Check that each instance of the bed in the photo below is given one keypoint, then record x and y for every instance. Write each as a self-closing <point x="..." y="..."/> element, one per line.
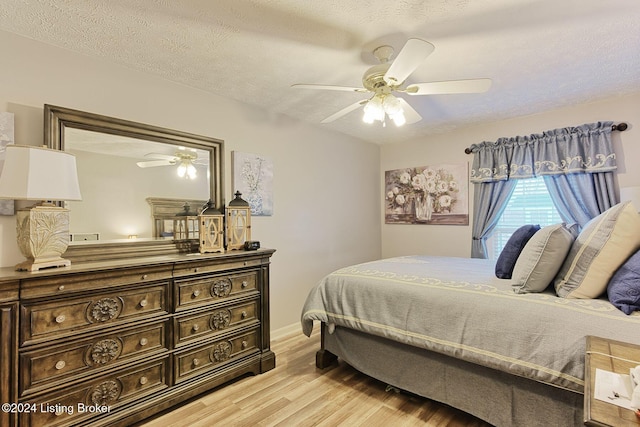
<point x="449" y="330"/>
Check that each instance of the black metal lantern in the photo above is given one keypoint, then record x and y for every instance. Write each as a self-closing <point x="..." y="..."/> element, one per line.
<point x="238" y="223"/>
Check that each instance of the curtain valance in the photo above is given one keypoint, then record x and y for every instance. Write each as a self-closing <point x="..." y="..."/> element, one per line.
<point x="586" y="148"/>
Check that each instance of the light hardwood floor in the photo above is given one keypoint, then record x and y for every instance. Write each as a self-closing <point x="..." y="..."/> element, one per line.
<point x="296" y="393"/>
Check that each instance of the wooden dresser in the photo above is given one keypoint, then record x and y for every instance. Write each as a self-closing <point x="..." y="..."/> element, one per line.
<point x="113" y="342"/>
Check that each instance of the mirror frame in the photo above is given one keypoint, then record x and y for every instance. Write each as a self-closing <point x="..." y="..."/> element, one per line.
<point x="57" y="119"/>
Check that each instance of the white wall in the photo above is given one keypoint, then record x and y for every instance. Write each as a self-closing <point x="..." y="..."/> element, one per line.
<point x="326" y="201"/>
<point x="450" y="240"/>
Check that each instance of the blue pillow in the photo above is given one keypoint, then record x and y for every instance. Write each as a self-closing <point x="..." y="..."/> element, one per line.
<point x="515" y="244"/>
<point x="623" y="289"/>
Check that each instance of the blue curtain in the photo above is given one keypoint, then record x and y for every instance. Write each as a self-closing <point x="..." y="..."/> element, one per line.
<point x="489" y="201"/>
<point x="577" y="163"/>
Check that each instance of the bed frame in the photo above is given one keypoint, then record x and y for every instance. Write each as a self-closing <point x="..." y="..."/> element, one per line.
<point x="496" y="397"/>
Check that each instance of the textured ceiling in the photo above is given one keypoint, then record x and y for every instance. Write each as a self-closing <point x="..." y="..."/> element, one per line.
<point x="540" y="55"/>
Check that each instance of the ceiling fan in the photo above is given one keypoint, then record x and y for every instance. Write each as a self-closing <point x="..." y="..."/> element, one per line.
<point x="183" y="158"/>
<point x="384" y="79"/>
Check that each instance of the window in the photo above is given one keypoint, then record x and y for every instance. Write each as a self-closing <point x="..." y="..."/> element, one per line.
<point x="530" y="203"/>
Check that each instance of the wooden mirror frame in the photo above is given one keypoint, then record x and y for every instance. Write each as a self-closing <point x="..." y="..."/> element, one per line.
<point x="57" y="119"/>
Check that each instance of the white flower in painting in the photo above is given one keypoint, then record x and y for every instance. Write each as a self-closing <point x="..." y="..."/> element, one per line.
<point x="399" y="199"/>
<point x="431" y="186"/>
<point x="419" y="182"/>
<point x="453" y="186"/>
<point x="442" y="187"/>
<point x="405" y="178"/>
<point x="396" y="190"/>
<point x="390" y="195"/>
<point x="429" y="173"/>
<point x="445" y="200"/>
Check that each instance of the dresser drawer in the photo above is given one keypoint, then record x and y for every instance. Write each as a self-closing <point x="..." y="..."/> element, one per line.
<point x="52" y="320"/>
<point x="204" y="325"/>
<point x="214" y="355"/>
<point x="100" y="396"/>
<point x="50" y="366"/>
<point x="207" y="289"/>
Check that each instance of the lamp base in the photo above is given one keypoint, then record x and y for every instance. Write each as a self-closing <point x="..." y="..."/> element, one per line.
<point x="35" y="265"/>
<point x="43" y="236"/>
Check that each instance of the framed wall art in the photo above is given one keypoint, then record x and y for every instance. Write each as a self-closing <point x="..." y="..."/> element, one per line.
<point x="7" y="207"/>
<point x="252" y="175"/>
<point x="434" y="194"/>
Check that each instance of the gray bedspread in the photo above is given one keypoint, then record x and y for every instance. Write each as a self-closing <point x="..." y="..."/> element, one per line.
<point x="457" y="307"/>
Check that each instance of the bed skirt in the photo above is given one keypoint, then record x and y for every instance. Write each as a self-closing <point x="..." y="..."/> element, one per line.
<point x="498" y="398"/>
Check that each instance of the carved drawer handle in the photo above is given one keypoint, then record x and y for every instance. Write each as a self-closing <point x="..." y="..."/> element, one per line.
<point x="60" y="365"/>
<point x="143" y="380"/>
<point x="244" y="284"/>
<point x="144" y="277"/>
<point x="196" y="293"/>
<point x="196" y="362"/>
<point x="61" y="318"/>
<point x="144" y="303"/>
<point x="61" y="288"/>
<point x="195" y="270"/>
<point x="195" y="328"/>
<point x="144" y="341"/>
<point x="244" y="344"/>
<point x="245" y="263"/>
<point x="244" y="314"/>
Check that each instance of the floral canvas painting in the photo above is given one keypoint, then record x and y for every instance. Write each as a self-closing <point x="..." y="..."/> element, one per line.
<point x="253" y="177"/>
<point x="6" y="138"/>
<point x="436" y="194"/>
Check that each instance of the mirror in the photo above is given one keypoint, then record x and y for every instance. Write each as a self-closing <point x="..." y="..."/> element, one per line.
<point x="123" y="167"/>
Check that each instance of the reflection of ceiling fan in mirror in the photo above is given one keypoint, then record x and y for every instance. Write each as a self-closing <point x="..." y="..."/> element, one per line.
<point x="387" y="77"/>
<point x="184" y="159"/>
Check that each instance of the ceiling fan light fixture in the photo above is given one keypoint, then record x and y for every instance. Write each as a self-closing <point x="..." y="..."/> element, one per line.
<point x="380" y="106"/>
<point x="186" y="169"/>
<point x="373" y="110"/>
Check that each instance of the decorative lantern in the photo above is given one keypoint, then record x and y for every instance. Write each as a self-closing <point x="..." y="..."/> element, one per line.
<point x="238" y="223"/>
<point x="185" y="224"/>
<point x="211" y="229"/>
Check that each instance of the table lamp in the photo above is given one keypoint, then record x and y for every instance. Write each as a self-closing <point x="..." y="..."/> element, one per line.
<point x="45" y="175"/>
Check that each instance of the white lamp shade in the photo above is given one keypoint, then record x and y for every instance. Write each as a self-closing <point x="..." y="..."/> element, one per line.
<point x="38" y="173"/>
<point x="632" y="194"/>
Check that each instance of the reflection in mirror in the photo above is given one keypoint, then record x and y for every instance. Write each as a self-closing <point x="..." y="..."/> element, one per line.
<point x="118" y="174"/>
<point x="121" y="164"/>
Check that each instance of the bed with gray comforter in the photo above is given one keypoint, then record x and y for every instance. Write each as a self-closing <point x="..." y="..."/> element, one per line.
<point x="448" y="329"/>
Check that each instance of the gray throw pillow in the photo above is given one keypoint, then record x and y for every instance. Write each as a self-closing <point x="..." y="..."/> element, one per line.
<point x="541" y="259"/>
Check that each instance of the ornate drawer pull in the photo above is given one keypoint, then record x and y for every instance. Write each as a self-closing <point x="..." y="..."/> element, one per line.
<point x="244" y="344"/>
<point x="244" y="284"/>
<point x="144" y="303"/>
<point x="244" y="314"/>
<point x="61" y="288"/>
<point x="144" y="341"/>
<point x="144" y="277"/>
<point x="61" y="318"/>
<point x="195" y="270"/>
<point x="196" y="362"/>
<point x="196" y="293"/>
<point x="143" y="380"/>
<point x="60" y="365"/>
<point x="195" y="328"/>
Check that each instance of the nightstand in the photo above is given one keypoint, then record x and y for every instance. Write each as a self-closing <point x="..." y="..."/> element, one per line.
<point x="613" y="356"/>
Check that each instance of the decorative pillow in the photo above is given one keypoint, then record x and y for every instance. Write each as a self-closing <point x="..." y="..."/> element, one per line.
<point x="623" y="289"/>
<point x="515" y="245"/>
<point x="602" y="246"/>
<point x="541" y="259"/>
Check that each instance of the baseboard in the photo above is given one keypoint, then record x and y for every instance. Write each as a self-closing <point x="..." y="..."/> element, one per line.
<point x="294" y="328"/>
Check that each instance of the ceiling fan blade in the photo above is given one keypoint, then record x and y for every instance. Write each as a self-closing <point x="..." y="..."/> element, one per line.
<point x="414" y="52"/>
<point x="160" y="156"/>
<point x="154" y="163"/>
<point x="410" y="114"/>
<point x="448" y="87"/>
<point x="330" y="87"/>
<point x="345" y="111"/>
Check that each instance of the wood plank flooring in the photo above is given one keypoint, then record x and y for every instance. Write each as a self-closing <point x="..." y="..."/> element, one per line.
<point x="296" y="393"/>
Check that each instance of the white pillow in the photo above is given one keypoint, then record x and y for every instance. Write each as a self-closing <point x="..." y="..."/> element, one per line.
<point x="602" y="246"/>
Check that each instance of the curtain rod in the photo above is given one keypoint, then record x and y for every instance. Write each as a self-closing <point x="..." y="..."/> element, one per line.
<point x="620" y="127"/>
